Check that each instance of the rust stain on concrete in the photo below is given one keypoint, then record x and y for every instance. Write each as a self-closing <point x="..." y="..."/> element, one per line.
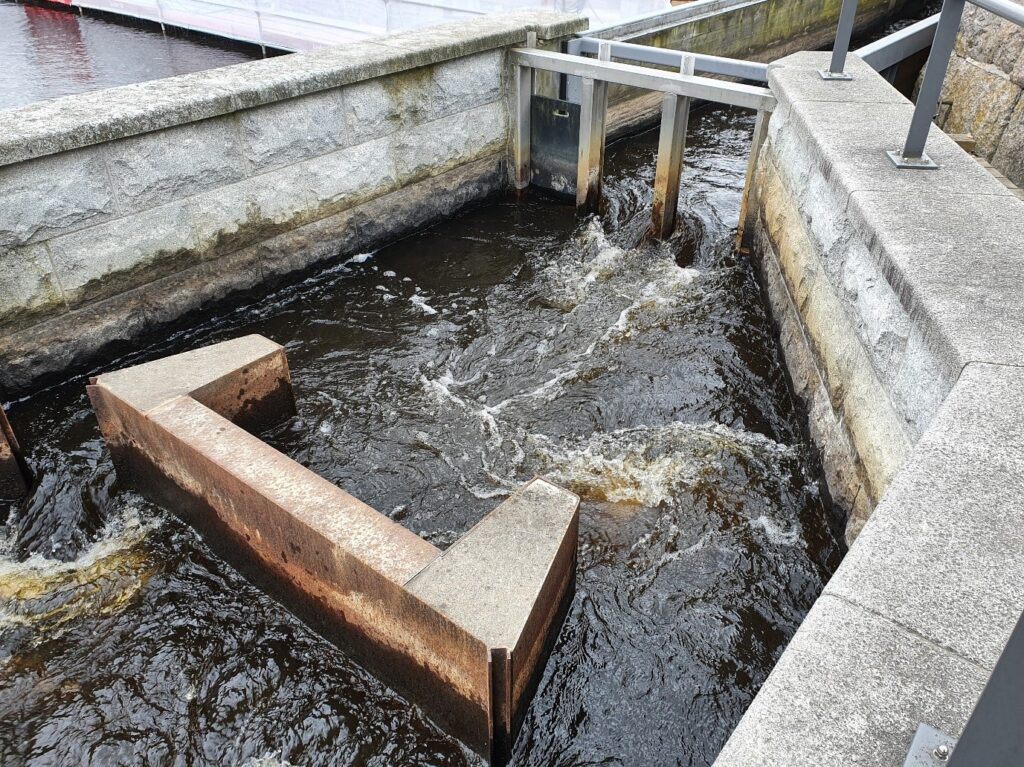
<point x="14" y="474"/>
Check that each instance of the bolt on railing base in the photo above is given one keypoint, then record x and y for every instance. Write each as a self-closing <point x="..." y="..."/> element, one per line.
<point x="929" y="748"/>
<point x="924" y="162"/>
<point x="827" y="74"/>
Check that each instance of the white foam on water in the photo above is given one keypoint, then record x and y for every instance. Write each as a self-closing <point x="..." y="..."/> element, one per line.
<point x="644" y="465"/>
<point x="39" y="591"/>
<point x="775" y="532"/>
<point x="421" y="303"/>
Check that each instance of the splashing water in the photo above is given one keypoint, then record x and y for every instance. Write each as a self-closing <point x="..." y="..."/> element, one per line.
<point x="434" y="377"/>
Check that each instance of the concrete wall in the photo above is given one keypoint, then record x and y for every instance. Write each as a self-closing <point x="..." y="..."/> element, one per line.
<point x="984" y="90"/>
<point x="757" y="30"/>
<point x="125" y="208"/>
<point x="898" y="298"/>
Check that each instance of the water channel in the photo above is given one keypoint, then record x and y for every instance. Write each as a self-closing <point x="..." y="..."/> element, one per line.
<point x="47" y="52"/>
<point x="433" y="377"/>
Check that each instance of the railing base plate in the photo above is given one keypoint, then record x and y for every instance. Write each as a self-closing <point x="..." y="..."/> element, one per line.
<point x="924" y="162"/>
<point x="827" y="75"/>
<point x="926" y="749"/>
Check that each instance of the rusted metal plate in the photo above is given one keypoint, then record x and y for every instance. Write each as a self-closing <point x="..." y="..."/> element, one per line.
<point x="14" y="476"/>
<point x="554" y="144"/>
<point x="373" y="587"/>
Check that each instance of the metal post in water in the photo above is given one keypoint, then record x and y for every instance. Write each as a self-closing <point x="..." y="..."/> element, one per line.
<point x="590" y="160"/>
<point x="912" y="156"/>
<point x="844" y="31"/>
<point x="521" y="139"/>
<point x="675" y="112"/>
<point x="748" y="203"/>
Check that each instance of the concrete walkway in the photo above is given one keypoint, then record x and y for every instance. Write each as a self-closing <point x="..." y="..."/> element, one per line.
<point x="911" y="625"/>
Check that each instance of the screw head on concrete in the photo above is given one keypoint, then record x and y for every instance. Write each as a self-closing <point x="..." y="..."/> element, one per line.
<point x="941" y="752"/>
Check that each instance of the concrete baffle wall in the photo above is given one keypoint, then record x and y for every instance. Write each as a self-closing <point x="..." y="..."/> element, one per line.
<point x="898" y="297"/>
<point x="464" y="633"/>
<point x="127" y="207"/>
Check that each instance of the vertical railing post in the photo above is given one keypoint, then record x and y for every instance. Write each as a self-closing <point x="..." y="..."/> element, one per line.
<point x="912" y="155"/>
<point x="748" y="203"/>
<point x="523" y="98"/>
<point x="844" y="31"/>
<point x="590" y="160"/>
<point x="675" y="112"/>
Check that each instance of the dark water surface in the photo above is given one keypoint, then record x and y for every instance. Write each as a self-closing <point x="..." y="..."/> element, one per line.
<point x="434" y="377"/>
<point x="46" y="52"/>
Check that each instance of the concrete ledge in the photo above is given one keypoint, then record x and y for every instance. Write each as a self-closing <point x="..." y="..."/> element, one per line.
<point x="909" y="628"/>
<point x="76" y="121"/>
<point x="463" y="633"/>
<point x="910" y="280"/>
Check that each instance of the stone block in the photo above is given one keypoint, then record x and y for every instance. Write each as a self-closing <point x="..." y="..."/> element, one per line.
<point x="440" y="145"/>
<point x="943" y="554"/>
<point x="53" y="195"/>
<point x="955" y="261"/>
<point x="30" y="287"/>
<point x="124" y="253"/>
<point x="163" y="166"/>
<point x="851" y="688"/>
<point x="982" y="101"/>
<point x="1009" y="154"/>
<point x="290" y="131"/>
<point x="463" y="633"/>
<point x="353" y="175"/>
<point x="251" y="211"/>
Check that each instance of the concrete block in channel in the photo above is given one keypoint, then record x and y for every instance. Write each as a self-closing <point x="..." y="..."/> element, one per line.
<point x="463" y="633"/>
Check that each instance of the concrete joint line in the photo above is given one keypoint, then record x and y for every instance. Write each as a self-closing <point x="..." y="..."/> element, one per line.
<point x="911" y="632"/>
<point x="463" y="633"/>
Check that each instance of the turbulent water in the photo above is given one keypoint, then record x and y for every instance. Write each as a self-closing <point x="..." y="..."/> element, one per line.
<point x="433" y="378"/>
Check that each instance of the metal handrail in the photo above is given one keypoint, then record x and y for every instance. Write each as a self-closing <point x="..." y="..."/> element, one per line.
<point x="912" y="155"/>
<point x="892" y="49"/>
<point x="648" y="54"/>
<point x="703" y="88"/>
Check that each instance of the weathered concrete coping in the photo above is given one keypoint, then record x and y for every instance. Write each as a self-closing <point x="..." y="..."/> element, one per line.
<point x="910" y="626"/>
<point x="464" y="633"/>
<point x="91" y="118"/>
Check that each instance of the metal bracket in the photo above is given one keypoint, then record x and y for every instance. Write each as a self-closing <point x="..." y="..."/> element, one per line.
<point x="924" y="162"/>
<point x="929" y="748"/>
<point x="829" y="75"/>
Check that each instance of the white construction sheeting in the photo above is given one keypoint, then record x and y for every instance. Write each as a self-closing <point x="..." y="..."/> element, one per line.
<point x="304" y="24"/>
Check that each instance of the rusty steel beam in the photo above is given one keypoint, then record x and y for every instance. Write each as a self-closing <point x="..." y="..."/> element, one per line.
<point x="14" y="475"/>
<point x="463" y="633"/>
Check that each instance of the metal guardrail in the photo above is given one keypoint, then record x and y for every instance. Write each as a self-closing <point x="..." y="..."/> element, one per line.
<point x="902" y="44"/>
<point x="646" y="54"/>
<point x="912" y="155"/>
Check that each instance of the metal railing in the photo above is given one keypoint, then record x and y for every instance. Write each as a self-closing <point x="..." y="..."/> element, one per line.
<point x="646" y="54"/>
<point x="678" y="88"/>
<point x="912" y="154"/>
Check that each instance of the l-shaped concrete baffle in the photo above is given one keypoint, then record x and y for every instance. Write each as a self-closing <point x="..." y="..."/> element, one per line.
<point x="898" y="294"/>
<point x="463" y="633"/>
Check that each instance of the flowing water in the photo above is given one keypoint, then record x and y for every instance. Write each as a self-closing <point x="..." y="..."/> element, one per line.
<point x="433" y="378"/>
<point x="47" y="52"/>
